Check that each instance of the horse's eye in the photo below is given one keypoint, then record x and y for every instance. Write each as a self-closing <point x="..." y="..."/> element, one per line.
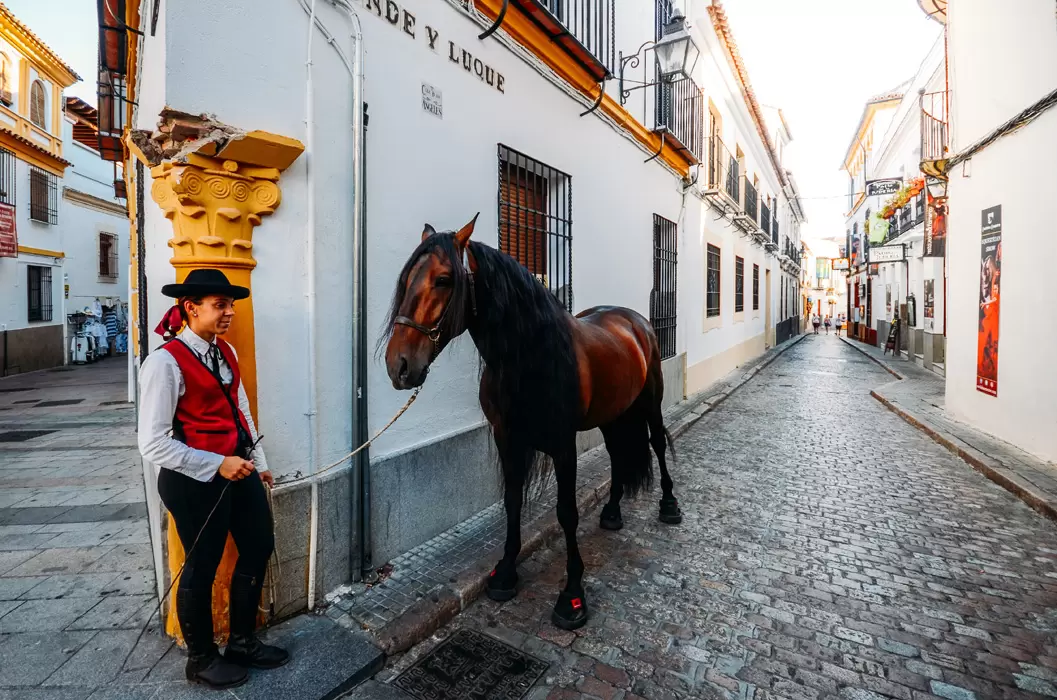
<point x="442" y="281"/>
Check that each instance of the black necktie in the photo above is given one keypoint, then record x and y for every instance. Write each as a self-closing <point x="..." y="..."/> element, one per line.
<point x="214" y="356"/>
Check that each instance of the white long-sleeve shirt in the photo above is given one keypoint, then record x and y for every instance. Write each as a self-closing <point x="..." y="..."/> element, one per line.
<point x="161" y="386"/>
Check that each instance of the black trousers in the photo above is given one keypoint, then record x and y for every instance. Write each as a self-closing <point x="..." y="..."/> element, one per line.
<point x="243" y="511"/>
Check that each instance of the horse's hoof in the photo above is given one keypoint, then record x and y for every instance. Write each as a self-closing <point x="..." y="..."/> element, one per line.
<point x="610" y="520"/>
<point x="670" y="513"/>
<point x="570" y="612"/>
<point x="501" y="588"/>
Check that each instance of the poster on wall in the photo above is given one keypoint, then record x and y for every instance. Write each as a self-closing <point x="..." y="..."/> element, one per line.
<point x="8" y="234"/>
<point x="888" y="299"/>
<point x="935" y="230"/>
<point x="990" y="275"/>
<point x="930" y="305"/>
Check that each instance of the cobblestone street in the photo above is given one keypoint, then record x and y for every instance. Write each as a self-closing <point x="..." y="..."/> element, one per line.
<point x="828" y="550"/>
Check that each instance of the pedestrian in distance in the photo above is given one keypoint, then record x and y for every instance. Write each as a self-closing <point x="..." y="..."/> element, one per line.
<point x="195" y="427"/>
<point x="839" y="323"/>
<point x="816" y="321"/>
<point x="829" y="322"/>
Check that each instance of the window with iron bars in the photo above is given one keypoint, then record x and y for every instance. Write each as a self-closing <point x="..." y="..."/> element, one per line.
<point x="108" y="256"/>
<point x="712" y="282"/>
<point x="755" y="287"/>
<point x="663" y="296"/>
<point x="43" y="196"/>
<point x="535" y="220"/>
<point x="739" y="284"/>
<point x="39" y="286"/>
<point x="7" y="176"/>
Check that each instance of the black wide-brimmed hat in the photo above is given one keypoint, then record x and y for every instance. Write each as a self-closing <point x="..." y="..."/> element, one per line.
<point x="202" y="283"/>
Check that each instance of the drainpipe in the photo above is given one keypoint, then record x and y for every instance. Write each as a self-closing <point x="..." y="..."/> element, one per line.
<point x="361" y="476"/>
<point x="310" y="153"/>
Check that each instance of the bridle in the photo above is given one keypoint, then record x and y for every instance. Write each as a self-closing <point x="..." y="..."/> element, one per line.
<point x="434" y="333"/>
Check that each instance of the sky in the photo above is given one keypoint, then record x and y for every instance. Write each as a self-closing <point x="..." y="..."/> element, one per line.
<point x="819" y="61"/>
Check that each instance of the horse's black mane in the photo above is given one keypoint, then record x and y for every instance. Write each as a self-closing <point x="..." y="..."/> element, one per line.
<point x="522" y="333"/>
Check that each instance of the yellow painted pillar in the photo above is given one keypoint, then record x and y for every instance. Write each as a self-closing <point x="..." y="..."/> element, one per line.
<point x="214" y="204"/>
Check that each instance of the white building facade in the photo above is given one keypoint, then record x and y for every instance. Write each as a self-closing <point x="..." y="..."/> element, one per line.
<point x="1002" y="63"/>
<point x="634" y="197"/>
<point x="57" y="199"/>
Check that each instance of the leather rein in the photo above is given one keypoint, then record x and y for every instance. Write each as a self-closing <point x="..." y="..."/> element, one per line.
<point x="434" y="333"/>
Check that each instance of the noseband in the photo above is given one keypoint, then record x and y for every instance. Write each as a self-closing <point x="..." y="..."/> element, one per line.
<point x="434" y="333"/>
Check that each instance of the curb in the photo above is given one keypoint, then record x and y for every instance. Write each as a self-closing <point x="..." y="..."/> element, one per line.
<point x="978" y="461"/>
<point x="884" y="365"/>
<point x="428" y="615"/>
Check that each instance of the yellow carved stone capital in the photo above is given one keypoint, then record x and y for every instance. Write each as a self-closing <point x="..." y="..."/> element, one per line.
<point x="214" y="206"/>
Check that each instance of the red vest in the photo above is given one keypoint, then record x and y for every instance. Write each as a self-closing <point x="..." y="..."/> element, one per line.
<point x="204" y="419"/>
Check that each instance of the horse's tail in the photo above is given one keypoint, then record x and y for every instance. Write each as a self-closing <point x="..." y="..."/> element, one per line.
<point x="628" y="444"/>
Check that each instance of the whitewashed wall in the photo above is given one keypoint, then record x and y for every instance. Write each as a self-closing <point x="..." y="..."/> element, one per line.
<point x="1003" y="58"/>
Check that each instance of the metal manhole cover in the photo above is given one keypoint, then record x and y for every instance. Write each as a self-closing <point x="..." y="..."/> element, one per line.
<point x="22" y="435"/>
<point x="64" y="402"/>
<point x="472" y="665"/>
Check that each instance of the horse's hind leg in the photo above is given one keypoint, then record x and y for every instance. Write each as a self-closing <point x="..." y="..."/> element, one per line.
<point x="660" y="439"/>
<point x="570" y="612"/>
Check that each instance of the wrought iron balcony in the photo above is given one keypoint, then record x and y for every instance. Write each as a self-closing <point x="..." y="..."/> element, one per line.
<point x="765" y="218"/>
<point x="751" y="203"/>
<point x="722" y="172"/>
<point x="583" y="28"/>
<point x="774" y="231"/>
<point x="935" y="131"/>
<point x="680" y="111"/>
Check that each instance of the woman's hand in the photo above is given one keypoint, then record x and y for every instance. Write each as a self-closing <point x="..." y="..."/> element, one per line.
<point x="235" y="468"/>
<point x="268" y="479"/>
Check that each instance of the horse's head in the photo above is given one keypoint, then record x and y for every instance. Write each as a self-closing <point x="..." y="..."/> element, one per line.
<point x="430" y="306"/>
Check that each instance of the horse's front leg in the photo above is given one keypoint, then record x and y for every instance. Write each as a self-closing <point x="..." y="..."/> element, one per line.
<point x="502" y="583"/>
<point x="570" y="612"/>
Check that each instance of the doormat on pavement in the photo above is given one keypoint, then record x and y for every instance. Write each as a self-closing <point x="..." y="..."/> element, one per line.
<point x="472" y="665"/>
<point x="22" y="435"/>
<point x="63" y="402"/>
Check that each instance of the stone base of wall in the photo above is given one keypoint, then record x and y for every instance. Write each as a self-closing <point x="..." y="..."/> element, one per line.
<point x="704" y="373"/>
<point x="934" y="349"/>
<point x="30" y="349"/>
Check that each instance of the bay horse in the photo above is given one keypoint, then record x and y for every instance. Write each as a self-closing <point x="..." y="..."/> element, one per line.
<point x="545" y="375"/>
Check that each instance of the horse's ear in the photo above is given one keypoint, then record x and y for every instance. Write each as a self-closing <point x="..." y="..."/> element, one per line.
<point x="428" y="231"/>
<point x="462" y="236"/>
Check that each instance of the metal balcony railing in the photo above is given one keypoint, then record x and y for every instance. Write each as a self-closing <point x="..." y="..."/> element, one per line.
<point x="935" y="125"/>
<point x="590" y="22"/>
<point x="722" y="170"/>
<point x="774" y="231"/>
<point x="765" y="217"/>
<point x="680" y="110"/>
<point x="751" y="203"/>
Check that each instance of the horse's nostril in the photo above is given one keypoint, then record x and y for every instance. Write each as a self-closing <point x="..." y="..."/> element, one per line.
<point x="402" y="374"/>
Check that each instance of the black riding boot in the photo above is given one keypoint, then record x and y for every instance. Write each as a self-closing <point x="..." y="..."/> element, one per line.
<point x="244" y="648"/>
<point x="205" y="665"/>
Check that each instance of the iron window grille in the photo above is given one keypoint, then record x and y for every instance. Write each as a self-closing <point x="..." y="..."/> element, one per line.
<point x="535" y="220"/>
<point x="755" y="287"/>
<point x="39" y="286"/>
<point x="663" y="296"/>
<point x="43" y="196"/>
<point x="108" y="255"/>
<point x="712" y="282"/>
<point x="739" y="285"/>
<point x="7" y="176"/>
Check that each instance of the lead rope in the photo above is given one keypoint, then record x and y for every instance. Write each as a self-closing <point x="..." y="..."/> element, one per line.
<point x="187" y="555"/>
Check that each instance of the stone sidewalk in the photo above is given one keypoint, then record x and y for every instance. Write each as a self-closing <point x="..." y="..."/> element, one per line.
<point x="918" y="398"/>
<point x="428" y="586"/>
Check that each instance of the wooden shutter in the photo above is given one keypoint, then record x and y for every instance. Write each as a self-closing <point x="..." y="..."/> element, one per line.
<point x="523" y="221"/>
<point x="36" y="104"/>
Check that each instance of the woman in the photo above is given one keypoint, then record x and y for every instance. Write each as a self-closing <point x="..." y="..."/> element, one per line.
<point x="829" y="322"/>
<point x="195" y="427"/>
<point x="815" y="321"/>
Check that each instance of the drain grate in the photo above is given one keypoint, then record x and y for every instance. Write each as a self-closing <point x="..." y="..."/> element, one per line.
<point x="472" y="665"/>
<point x="27" y="401"/>
<point x="22" y="435"/>
<point x="11" y="391"/>
<point x="109" y="403"/>
<point x="63" y="402"/>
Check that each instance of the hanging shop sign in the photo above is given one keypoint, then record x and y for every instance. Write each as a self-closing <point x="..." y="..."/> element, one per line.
<point x="990" y="275"/>
<point x="886" y="186"/>
<point x="402" y="20"/>
<point x="8" y="234"/>
<point x="888" y="253"/>
<point x="935" y="229"/>
<point x="840" y="264"/>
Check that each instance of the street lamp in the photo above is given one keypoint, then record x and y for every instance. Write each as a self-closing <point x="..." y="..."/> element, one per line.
<point x="937" y="187"/>
<point x="675" y="53"/>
